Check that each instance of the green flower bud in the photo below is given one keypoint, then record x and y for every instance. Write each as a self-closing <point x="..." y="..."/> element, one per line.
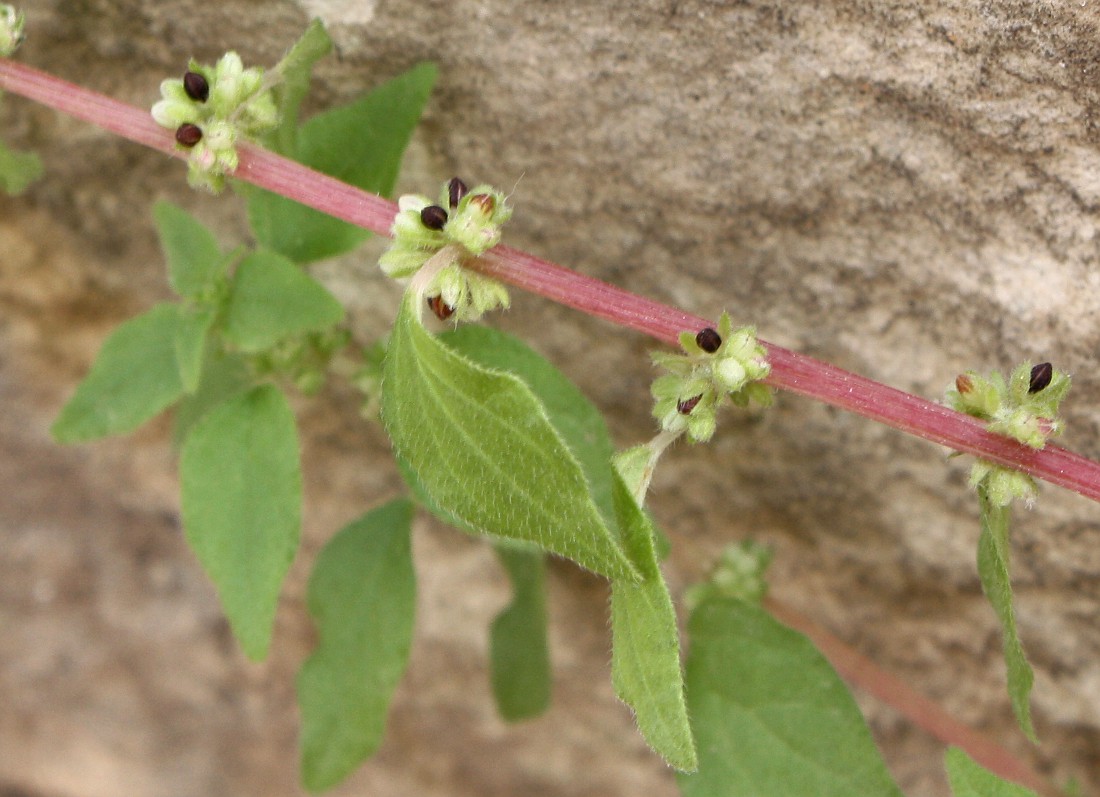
<point x="260" y="114"/>
<point x="1011" y="407"/>
<point x="469" y="294"/>
<point x="12" y="23"/>
<point x="731" y="374"/>
<point x="739" y="573"/>
<point x="226" y="102"/>
<point x="1003" y="485"/>
<point x="399" y="263"/>
<point x="701" y="426"/>
<point x="674" y="421"/>
<point x="1024" y="407"/>
<point x="172" y="113"/>
<point x="477" y="221"/>
<point x="716" y="365"/>
<point x="423" y="228"/>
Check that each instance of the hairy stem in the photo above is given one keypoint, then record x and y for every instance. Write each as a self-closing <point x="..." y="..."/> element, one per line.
<point x="790" y="370"/>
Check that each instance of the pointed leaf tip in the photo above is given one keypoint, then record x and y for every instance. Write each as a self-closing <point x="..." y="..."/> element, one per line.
<point x="481" y="448"/>
<point x="362" y="595"/>
<point x="241" y="494"/>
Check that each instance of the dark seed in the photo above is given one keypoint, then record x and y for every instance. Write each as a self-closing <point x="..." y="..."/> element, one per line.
<point x="441" y="309"/>
<point x="434" y="217"/>
<point x="188" y="135"/>
<point x="709" y="340"/>
<point x="685" y="406"/>
<point x="195" y="86"/>
<point x="456" y="189"/>
<point x="1041" y="375"/>
<point x="963" y="383"/>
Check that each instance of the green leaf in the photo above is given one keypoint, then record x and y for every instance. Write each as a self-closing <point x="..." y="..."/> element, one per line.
<point x="272" y="299"/>
<point x="993" y="561"/>
<point x="519" y="654"/>
<point x="645" y="653"/>
<point x="968" y="779"/>
<point x="190" y="344"/>
<point x="771" y="717"/>
<point x="18" y="169"/>
<point x="362" y="596"/>
<point x="195" y="261"/>
<point x="241" y="489"/>
<point x="361" y="144"/>
<point x="295" y="69"/>
<point x="133" y="378"/>
<point x="222" y="375"/>
<point x="482" y="448"/>
<point x="635" y="467"/>
<point x="569" y="411"/>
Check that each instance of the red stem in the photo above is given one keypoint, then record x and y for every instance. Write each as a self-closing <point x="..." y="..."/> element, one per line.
<point x="790" y="370"/>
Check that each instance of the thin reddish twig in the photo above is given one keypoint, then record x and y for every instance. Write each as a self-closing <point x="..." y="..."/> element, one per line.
<point x="790" y="370"/>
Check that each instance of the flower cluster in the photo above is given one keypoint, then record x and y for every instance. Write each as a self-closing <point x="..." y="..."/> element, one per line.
<point x="211" y="109"/>
<point x="465" y="224"/>
<point x="717" y="364"/>
<point x="303" y="359"/>
<point x="11" y="29"/>
<point x="1025" y="408"/>
<point x="739" y="573"/>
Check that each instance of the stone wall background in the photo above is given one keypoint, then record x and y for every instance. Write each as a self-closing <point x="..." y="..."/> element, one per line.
<point x="904" y="189"/>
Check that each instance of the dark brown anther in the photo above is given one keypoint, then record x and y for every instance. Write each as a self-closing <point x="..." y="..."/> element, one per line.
<point x="456" y="189"/>
<point x="195" y="86"/>
<point x="434" y="217"/>
<point x="484" y="202"/>
<point x="440" y="308"/>
<point x="963" y="384"/>
<point x="188" y="135"/>
<point x="1041" y="375"/>
<point x="685" y="406"/>
<point x="709" y="340"/>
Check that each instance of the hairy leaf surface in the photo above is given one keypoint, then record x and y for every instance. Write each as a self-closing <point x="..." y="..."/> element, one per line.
<point x="18" y="169"/>
<point x="519" y="655"/>
<point x="134" y="377"/>
<point x="295" y="69"/>
<point x="483" y="450"/>
<point x="993" y="571"/>
<point x="241" y="494"/>
<point x="195" y="261"/>
<point x="362" y="595"/>
<point x="190" y="344"/>
<point x="645" y="654"/>
<point x="569" y="411"/>
<point x="222" y="375"/>
<point x="969" y="779"/>
<point x="771" y="717"/>
<point x="271" y="299"/>
<point x="361" y="144"/>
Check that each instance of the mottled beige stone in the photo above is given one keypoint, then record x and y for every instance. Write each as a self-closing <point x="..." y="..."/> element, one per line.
<point x="902" y="188"/>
